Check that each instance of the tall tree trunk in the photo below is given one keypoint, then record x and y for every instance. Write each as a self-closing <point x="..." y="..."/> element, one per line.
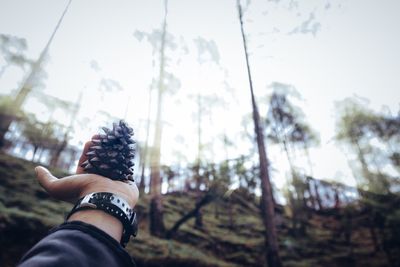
<point x="314" y="199"/>
<point x="157" y="227"/>
<point x="267" y="201"/>
<point x="142" y="184"/>
<point x="28" y="84"/>
<point x="199" y="216"/>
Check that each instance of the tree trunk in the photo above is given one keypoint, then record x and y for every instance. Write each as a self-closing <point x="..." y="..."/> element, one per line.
<point x="199" y="216"/>
<point x="348" y="231"/>
<point x="317" y="195"/>
<point x="59" y="149"/>
<point x="197" y="178"/>
<point x="144" y="159"/>
<point x="142" y="184"/>
<point x="35" y="149"/>
<point x="157" y="227"/>
<point x="28" y="84"/>
<point x="311" y="195"/>
<point x="267" y="201"/>
<point x="374" y="238"/>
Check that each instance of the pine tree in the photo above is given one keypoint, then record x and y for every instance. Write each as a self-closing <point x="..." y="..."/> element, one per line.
<point x="267" y="200"/>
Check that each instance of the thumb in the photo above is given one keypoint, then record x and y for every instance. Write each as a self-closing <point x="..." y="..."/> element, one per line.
<point x="45" y="178"/>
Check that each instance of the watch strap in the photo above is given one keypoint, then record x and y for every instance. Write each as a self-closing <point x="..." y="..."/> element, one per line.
<point x="113" y="205"/>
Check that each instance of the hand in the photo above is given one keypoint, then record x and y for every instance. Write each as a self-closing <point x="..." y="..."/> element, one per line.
<point x="73" y="187"/>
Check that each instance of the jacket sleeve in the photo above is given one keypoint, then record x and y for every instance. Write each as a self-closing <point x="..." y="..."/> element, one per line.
<point x="77" y="244"/>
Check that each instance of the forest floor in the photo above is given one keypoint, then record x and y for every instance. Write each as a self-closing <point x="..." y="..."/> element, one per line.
<point x="233" y="234"/>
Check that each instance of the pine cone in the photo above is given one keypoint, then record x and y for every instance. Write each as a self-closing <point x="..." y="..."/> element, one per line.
<point x="111" y="154"/>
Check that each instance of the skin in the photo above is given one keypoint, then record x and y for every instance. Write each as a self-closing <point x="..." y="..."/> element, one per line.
<point x="73" y="187"/>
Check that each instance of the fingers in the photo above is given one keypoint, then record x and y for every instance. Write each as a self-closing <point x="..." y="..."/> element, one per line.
<point x="67" y="188"/>
<point x="70" y="188"/>
<point x="83" y="158"/>
<point x="45" y="178"/>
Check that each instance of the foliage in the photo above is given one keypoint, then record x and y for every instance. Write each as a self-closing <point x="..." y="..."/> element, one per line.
<point x="13" y="49"/>
<point x="281" y="118"/>
<point x="39" y="134"/>
<point x="286" y="125"/>
<point x="304" y="135"/>
<point x="367" y="133"/>
<point x="355" y="121"/>
<point x="7" y="108"/>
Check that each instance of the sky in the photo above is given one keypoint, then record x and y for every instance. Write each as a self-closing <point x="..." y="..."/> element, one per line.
<point x="326" y="50"/>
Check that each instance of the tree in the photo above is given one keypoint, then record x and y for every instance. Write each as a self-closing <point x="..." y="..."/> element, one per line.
<point x="144" y="149"/>
<point x="59" y="148"/>
<point x="356" y="127"/>
<point x="166" y="81"/>
<point x="8" y="112"/>
<point x="303" y="135"/>
<point x="156" y="208"/>
<point x="39" y="134"/>
<point x="13" y="49"/>
<point x="29" y="83"/>
<point x="267" y="200"/>
<point x="387" y="130"/>
<point x="281" y="121"/>
<point x="285" y="127"/>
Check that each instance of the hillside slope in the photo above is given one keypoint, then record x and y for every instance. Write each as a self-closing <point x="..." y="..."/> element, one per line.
<point x="232" y="234"/>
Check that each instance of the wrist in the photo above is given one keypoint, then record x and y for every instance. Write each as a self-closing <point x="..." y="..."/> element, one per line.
<point x="100" y="219"/>
<point x="113" y="214"/>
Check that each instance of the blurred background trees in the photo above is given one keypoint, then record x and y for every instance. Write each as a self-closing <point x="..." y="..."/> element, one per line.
<point x="212" y="135"/>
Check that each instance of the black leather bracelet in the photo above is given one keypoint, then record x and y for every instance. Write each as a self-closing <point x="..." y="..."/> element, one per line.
<point x="113" y="205"/>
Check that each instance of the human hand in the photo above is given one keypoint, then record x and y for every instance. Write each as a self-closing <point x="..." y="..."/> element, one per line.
<point x="73" y="187"/>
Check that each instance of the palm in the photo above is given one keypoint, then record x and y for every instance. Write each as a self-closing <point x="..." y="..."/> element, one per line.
<point x="73" y="187"/>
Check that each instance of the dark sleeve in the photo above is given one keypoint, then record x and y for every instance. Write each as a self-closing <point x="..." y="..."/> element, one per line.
<point x="77" y="244"/>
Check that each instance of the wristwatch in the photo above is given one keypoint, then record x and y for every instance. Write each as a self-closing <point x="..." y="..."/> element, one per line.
<point x="113" y="205"/>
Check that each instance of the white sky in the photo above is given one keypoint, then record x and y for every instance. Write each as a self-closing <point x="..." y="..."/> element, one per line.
<point x="328" y="50"/>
